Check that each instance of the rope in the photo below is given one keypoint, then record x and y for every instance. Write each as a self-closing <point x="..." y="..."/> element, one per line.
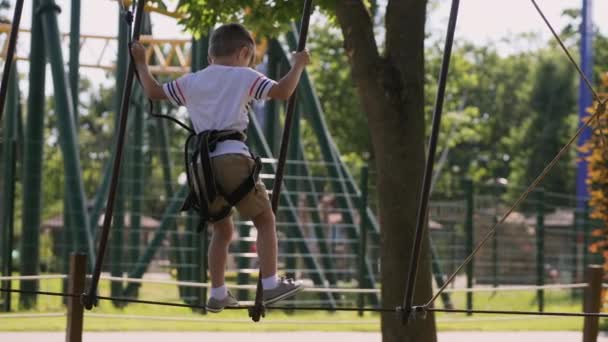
<point x="258" y="309"/>
<point x="90" y="299"/>
<point x="523" y="313"/>
<point x="422" y="214"/>
<point x="10" y="54"/>
<point x="195" y="306"/>
<point x="223" y="321"/>
<point x="313" y="308"/>
<point x="599" y="110"/>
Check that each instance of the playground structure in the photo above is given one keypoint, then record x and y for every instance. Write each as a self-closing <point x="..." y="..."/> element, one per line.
<point x="346" y="258"/>
<point x="187" y="252"/>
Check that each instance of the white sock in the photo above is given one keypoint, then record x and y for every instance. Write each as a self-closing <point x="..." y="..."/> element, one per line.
<point x="219" y="292"/>
<point x="270" y="283"/>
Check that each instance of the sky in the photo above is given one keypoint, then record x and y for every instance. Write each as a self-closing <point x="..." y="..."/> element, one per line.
<point x="480" y="21"/>
<point x="489" y="20"/>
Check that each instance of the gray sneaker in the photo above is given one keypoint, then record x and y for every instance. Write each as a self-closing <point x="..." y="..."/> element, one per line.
<point x="217" y="305"/>
<point x="286" y="288"/>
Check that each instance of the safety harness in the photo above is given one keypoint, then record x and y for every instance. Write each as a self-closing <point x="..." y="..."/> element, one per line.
<point x="204" y="189"/>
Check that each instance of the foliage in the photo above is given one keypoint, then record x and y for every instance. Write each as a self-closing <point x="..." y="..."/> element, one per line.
<point x="548" y="127"/>
<point x="267" y="17"/>
<point x="597" y="179"/>
<point x="485" y="106"/>
<point x="333" y="84"/>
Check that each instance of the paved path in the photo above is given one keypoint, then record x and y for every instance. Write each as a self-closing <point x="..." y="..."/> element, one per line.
<point x="292" y="337"/>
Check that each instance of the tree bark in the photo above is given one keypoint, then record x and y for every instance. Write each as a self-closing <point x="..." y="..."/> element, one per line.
<point x="391" y="88"/>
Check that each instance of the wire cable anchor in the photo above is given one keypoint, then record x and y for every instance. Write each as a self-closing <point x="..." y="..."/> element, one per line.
<point x="413" y="313"/>
<point x="257" y="311"/>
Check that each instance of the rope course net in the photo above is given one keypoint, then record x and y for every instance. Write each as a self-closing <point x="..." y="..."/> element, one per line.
<point x="331" y="261"/>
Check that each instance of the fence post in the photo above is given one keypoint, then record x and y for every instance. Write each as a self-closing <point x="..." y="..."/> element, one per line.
<point x="362" y="235"/>
<point x="592" y="302"/>
<point x="540" y="248"/>
<point x="469" y="238"/>
<point x="586" y="234"/>
<point x="495" y="254"/>
<point x="78" y="269"/>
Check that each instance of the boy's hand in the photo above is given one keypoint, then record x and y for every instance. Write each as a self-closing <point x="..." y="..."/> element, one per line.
<point x="301" y="59"/>
<point x="138" y="51"/>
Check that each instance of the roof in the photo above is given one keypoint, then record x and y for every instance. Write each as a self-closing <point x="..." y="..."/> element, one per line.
<point x="558" y="218"/>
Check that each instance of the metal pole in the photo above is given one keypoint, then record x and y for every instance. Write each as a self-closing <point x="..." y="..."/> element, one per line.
<point x="75" y="54"/>
<point x="117" y="239"/>
<point x="75" y="314"/>
<point x="495" y="254"/>
<point x="32" y="160"/>
<point x="362" y="234"/>
<point x="137" y="190"/>
<point x="469" y="239"/>
<point x="271" y="119"/>
<point x="89" y="299"/>
<point x="292" y="184"/>
<point x="585" y="99"/>
<point x="540" y="248"/>
<point x="257" y="311"/>
<point x="10" y="53"/>
<point x="199" y="62"/>
<point x="428" y="173"/>
<point x="9" y="152"/>
<point x="68" y="230"/>
<point x="67" y="128"/>
<point x="592" y="302"/>
<point x="168" y="221"/>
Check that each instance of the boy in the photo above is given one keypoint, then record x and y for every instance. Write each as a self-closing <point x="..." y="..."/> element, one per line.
<point x="217" y="99"/>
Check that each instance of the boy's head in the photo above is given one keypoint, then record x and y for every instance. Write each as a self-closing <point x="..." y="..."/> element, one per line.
<point x="232" y="41"/>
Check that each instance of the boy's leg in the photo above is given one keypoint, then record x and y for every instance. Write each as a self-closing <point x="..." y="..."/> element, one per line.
<point x="274" y="289"/>
<point x="218" y="254"/>
<point x="266" y="242"/>
<point x="218" y="250"/>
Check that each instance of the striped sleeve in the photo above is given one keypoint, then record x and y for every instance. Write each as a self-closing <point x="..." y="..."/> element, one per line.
<point x="259" y="88"/>
<point x="175" y="92"/>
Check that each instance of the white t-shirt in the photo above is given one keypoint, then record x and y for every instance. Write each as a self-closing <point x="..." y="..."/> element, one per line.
<point x="217" y="98"/>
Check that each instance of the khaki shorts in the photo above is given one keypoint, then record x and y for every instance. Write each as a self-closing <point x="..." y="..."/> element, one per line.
<point x="230" y="170"/>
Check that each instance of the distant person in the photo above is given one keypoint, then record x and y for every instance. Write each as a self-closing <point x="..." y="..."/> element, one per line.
<point x="217" y="99"/>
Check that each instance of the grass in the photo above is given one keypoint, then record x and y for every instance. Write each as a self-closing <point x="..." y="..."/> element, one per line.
<point x="142" y="317"/>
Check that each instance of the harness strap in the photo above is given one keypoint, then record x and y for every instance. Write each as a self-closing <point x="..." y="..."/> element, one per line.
<point x="203" y="191"/>
<point x="203" y="199"/>
<point x="205" y="162"/>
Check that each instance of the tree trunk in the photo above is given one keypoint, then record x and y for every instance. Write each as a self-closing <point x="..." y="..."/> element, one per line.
<point x="391" y="88"/>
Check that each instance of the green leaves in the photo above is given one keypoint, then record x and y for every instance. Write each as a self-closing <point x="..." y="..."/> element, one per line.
<point x="266" y="17"/>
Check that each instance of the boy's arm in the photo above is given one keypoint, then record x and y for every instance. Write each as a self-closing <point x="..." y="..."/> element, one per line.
<point x="152" y="89"/>
<point x="287" y="85"/>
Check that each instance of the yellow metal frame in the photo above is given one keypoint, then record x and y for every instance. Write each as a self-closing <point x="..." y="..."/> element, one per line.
<point x="164" y="56"/>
